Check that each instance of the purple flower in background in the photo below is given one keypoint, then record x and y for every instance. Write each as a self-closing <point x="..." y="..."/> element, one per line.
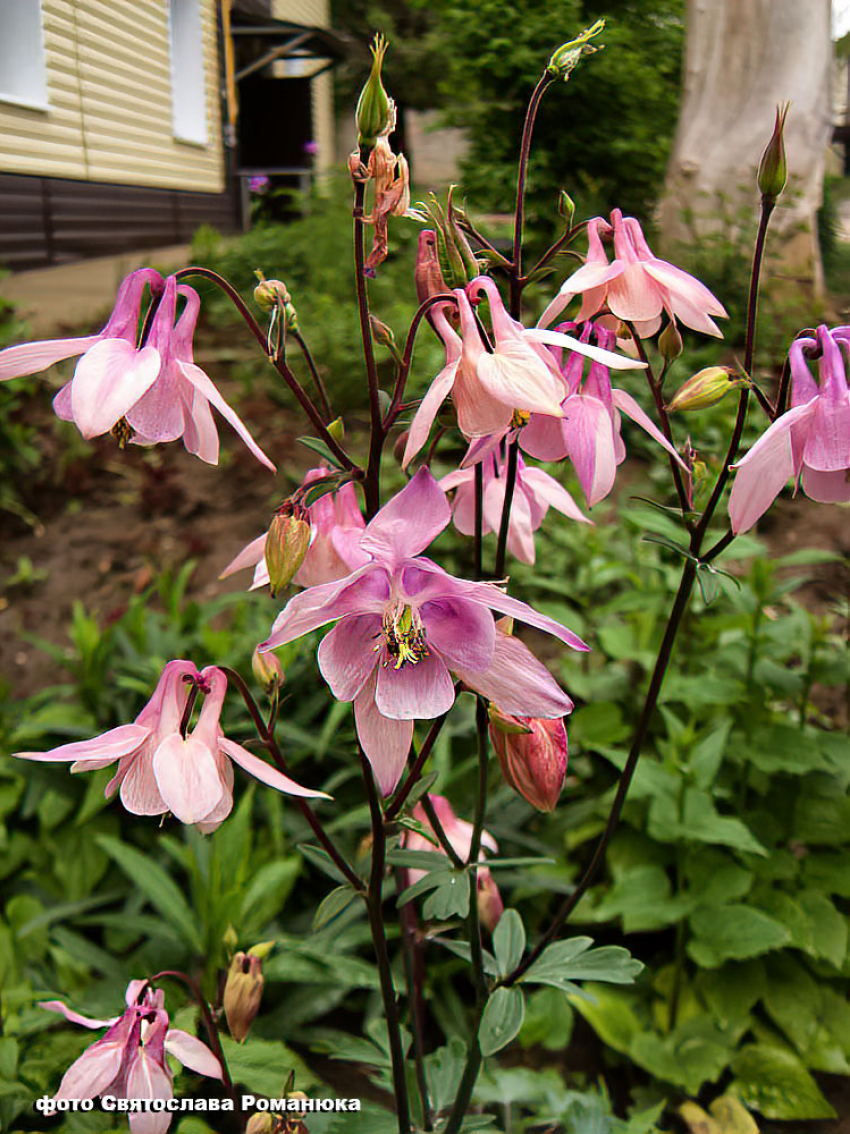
<point x="311" y="148"/>
<point x="259" y="185"/>
<point x="405" y="626"/>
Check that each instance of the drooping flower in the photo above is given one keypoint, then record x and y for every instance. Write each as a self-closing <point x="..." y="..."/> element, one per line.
<point x="636" y="285"/>
<point x="533" y="754"/>
<point x="588" y="432"/>
<point x="534" y="493"/>
<point x="336" y="524"/>
<point x="129" y="1060"/>
<point x="392" y="198"/>
<point x="459" y="834"/>
<point x="809" y="444"/>
<point x="112" y="374"/>
<point x="160" y="769"/>
<point x="144" y="394"/>
<point x="487" y="388"/>
<point x="404" y="626"/>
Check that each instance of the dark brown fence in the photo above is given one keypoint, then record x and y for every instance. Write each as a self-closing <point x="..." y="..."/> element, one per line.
<point x="50" y="220"/>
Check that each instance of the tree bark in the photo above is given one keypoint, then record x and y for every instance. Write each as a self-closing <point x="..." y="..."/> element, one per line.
<point x="742" y="57"/>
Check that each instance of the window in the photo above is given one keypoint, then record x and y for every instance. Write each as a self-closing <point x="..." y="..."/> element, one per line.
<point x="188" y="87"/>
<point x="23" y="76"/>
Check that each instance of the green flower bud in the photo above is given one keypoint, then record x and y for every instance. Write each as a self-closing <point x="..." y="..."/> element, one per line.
<point x="670" y="342"/>
<point x="286" y="544"/>
<point x="566" y="207"/>
<point x="374" y="107"/>
<point x="706" y="388"/>
<point x="336" y="429"/>
<point x="267" y="670"/>
<point x="565" y="59"/>
<point x="773" y="169"/>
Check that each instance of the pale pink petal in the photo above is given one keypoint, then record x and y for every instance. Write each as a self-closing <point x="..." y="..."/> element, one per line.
<point x="629" y="406"/>
<point x="364" y="591"/>
<point x="479" y="414"/>
<point x="420" y="427"/>
<point x="684" y="288"/>
<point x="192" y="1053"/>
<point x="548" y="489"/>
<point x="635" y="295"/>
<point x="187" y="777"/>
<point x="250" y="555"/>
<point x="515" y="375"/>
<point x="590" y="276"/>
<point x="264" y="772"/>
<point x="598" y="354"/>
<point x="828" y="445"/>
<point x="109" y="380"/>
<point x="30" y="358"/>
<point x="200" y="435"/>
<point x="520" y="532"/>
<point x="409" y="521"/>
<point x="203" y="384"/>
<point x="76" y="1017"/>
<point x="148" y="1079"/>
<point x="158" y="414"/>
<point x="646" y="328"/>
<point x="139" y="791"/>
<point x="385" y="742"/>
<point x="455" y="479"/>
<point x="347" y="655"/>
<point x="826" y="487"/>
<point x="97" y="752"/>
<point x="97" y="1067"/>
<point x="765" y="470"/>
<point x="413" y="692"/>
<point x="543" y="438"/>
<point x="463" y="632"/>
<point x="589" y="435"/>
<point x="518" y="683"/>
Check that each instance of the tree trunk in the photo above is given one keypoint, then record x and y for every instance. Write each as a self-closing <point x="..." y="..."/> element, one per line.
<point x="742" y="57"/>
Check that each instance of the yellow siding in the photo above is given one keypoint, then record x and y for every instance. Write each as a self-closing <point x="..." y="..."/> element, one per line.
<point x="315" y="14"/>
<point x="109" y="94"/>
<point x="312" y="13"/>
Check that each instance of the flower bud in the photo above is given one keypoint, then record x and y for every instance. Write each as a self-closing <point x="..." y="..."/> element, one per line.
<point x="705" y="388"/>
<point x="773" y="169"/>
<point x="401" y="445"/>
<point x="336" y="429"/>
<point x="260" y="1123"/>
<point x="533" y="753"/>
<point x="490" y="904"/>
<point x="242" y="993"/>
<point x="670" y="342"/>
<point x="286" y="544"/>
<point x="374" y="107"/>
<point x="383" y="334"/>
<point x="267" y="670"/>
<point x="566" y="207"/>
<point x="564" y="60"/>
<point x="272" y="295"/>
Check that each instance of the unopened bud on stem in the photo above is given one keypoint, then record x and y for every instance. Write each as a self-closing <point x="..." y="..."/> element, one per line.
<point x="564" y="60"/>
<point x="286" y="544"/>
<point x="773" y="169"/>
<point x="706" y="388"/>
<point x="566" y="207"/>
<point x="267" y="670"/>
<point x="242" y="993"/>
<point x="533" y="753"/>
<point x="670" y="342"/>
<point x="374" y="107"/>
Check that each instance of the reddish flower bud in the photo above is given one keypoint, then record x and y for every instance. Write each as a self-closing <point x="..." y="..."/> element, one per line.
<point x="286" y="544"/>
<point x="267" y="670"/>
<point x="243" y="992"/>
<point x="490" y="904"/>
<point x="533" y="753"/>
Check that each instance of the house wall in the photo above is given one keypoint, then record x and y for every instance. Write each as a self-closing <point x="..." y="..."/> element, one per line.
<point x="315" y="14"/>
<point x="108" y="116"/>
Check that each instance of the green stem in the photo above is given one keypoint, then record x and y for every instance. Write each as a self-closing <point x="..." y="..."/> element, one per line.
<point x="372" y="482"/>
<point x="374" y="902"/>
<point x="314" y="372"/>
<point x="522" y="176"/>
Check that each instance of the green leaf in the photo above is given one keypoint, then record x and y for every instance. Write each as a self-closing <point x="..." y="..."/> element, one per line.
<point x="263" y="1066"/>
<point x="332" y="905"/>
<point x="611" y="1016"/>
<point x="509" y="941"/>
<point x="774" y="1082"/>
<point x="565" y="962"/>
<point x="443" y="1072"/>
<point x="268" y="890"/>
<point x="450" y="898"/>
<point x="548" y="1020"/>
<point x="158" y="886"/>
<point x="320" y="858"/>
<point x="829" y="928"/>
<point x="320" y="447"/>
<point x="733" y="932"/>
<point x="707" y="756"/>
<point x="694" y="1053"/>
<point x="419" y="859"/>
<point x="502" y="1020"/>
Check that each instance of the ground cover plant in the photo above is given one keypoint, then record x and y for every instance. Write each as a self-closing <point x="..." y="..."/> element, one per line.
<point x="379" y="891"/>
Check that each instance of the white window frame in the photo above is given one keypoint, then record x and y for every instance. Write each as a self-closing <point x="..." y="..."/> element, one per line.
<point x="33" y="95"/>
<point x="189" y="119"/>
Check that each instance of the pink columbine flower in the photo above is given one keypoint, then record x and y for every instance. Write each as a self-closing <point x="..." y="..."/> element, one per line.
<point x="810" y="443"/>
<point x="147" y="394"/>
<point x="337" y="525"/>
<point x="160" y="769"/>
<point x="404" y="626"/>
<point x="533" y="754"/>
<point x="588" y="432"/>
<point x="129" y="1061"/>
<point x="534" y="493"/>
<point x="487" y="388"/>
<point x="459" y="834"/>
<point x="636" y="285"/>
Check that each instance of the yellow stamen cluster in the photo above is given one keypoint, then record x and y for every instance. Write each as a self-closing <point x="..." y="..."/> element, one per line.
<point x="123" y="432"/>
<point x="404" y="635"/>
